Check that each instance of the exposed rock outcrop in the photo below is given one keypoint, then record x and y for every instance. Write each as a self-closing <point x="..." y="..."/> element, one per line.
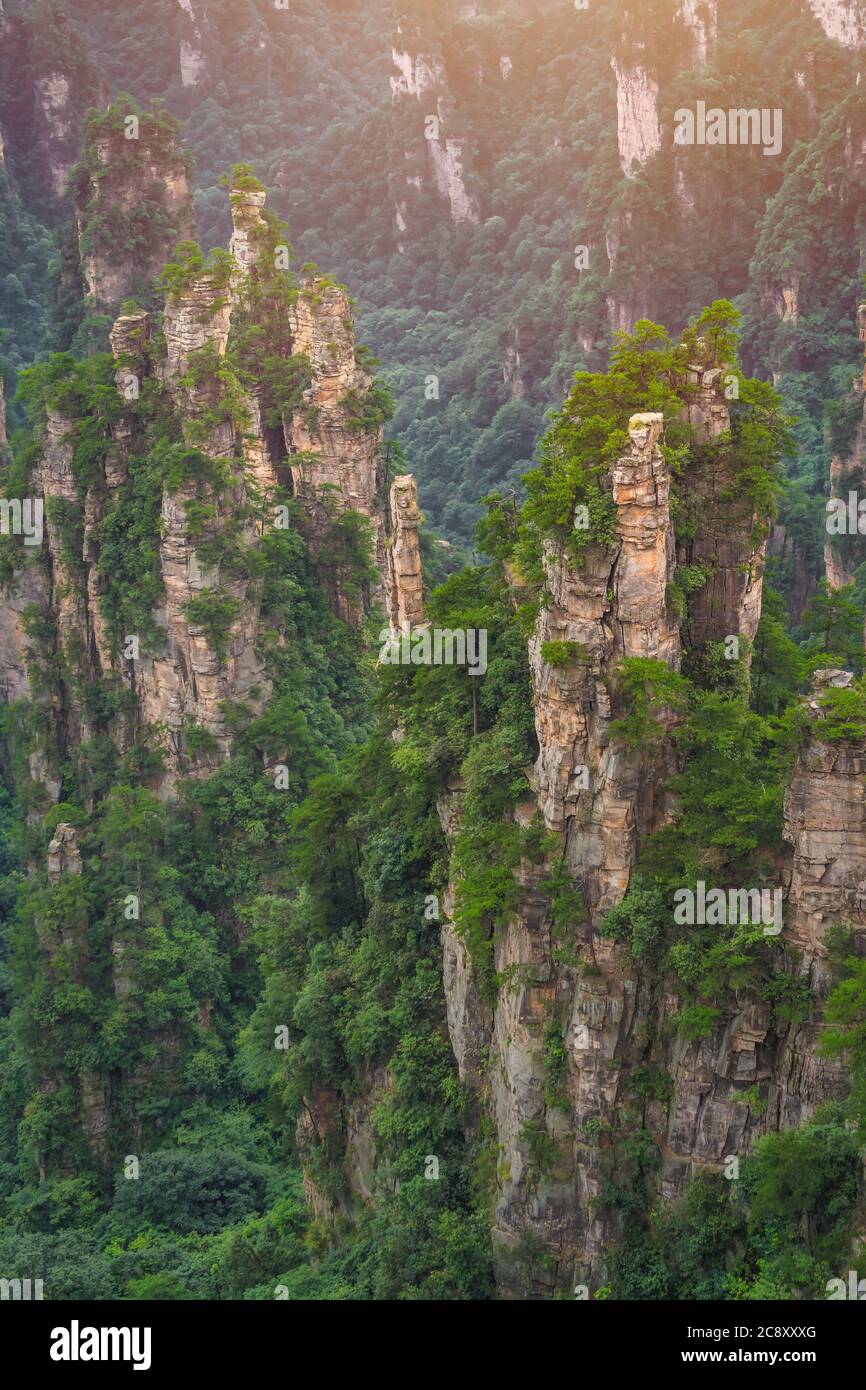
<point x="341" y="1131"/>
<point x="189" y="682"/>
<point x="133" y="203"/>
<point x="601" y="796"/>
<point x="730" y="537"/>
<point x="844" y="20"/>
<point x="406" y="584"/>
<point x="64" y="855"/>
<point x="825" y="824"/>
<point x="193" y="67"/>
<point x="754" y="1071"/>
<point x="335" y="453"/>
<point x="47" y="82"/>
<point x="417" y="73"/>
<point x="844" y="549"/>
<point x="701" y="19"/>
<point x="613" y="607"/>
<point x="638" y="129"/>
<point x="434" y="144"/>
<point x="204" y="655"/>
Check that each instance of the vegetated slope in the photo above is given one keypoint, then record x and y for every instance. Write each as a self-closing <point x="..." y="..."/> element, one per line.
<point x="602" y="1056"/>
<point x="182" y="661"/>
<point x="461" y="248"/>
<point x="656" y="1099"/>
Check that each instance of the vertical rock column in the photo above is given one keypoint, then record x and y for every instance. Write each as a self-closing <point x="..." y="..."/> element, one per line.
<point x="730" y="537"/>
<point x="601" y="797"/>
<point x="405" y="581"/>
<point x="188" y="682"/>
<point x="336" y="459"/>
<point x="825" y="823"/>
<point x="112" y="181"/>
<point x="66" y="954"/>
<point x="614" y="607"/>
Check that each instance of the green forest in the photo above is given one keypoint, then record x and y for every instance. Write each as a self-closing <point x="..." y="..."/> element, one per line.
<point x="267" y="957"/>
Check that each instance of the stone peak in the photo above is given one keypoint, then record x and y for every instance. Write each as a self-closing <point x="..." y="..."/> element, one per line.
<point x="646" y="429"/>
<point x="831" y="678"/>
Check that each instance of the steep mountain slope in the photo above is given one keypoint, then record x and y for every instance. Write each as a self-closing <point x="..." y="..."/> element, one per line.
<point x="182" y="658"/>
<point x="472" y="151"/>
<point x="338" y="964"/>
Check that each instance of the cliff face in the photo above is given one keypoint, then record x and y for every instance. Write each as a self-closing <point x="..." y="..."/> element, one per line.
<point x="825" y="825"/>
<point x="140" y="629"/>
<point x="692" y="178"/>
<point x="236" y="441"/>
<point x="614" y="608"/>
<point x="334" y="447"/>
<point x="638" y="130"/>
<point x="843" y="20"/>
<point x="730" y="536"/>
<point x="429" y="122"/>
<point x="601" y="798"/>
<point x="405" y="581"/>
<point x="693" y="26"/>
<point x="191" y="55"/>
<point x="843" y="547"/>
<point x="26" y="592"/>
<point x="41" y="117"/>
<point x="133" y="203"/>
<point x="603" y="1007"/>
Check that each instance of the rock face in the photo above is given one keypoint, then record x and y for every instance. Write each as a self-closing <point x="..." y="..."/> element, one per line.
<point x="110" y="186"/>
<point x="446" y="156"/>
<point x="55" y="482"/>
<point x="344" y="1129"/>
<point x="701" y="18"/>
<point x="405" y="581"/>
<point x="825" y="820"/>
<point x="637" y="117"/>
<point x="825" y="824"/>
<point x="201" y="657"/>
<point x="730" y="540"/>
<point x="189" y="682"/>
<point x="600" y="797"/>
<point x="64" y="856"/>
<point x="46" y="86"/>
<point x="193" y="67"/>
<point x="843" y="555"/>
<point x="614" y="607"/>
<point x="335" y="453"/>
<point x="417" y="73"/>
<point x="133" y="203"/>
<point x="429" y="122"/>
<point x="844" y="20"/>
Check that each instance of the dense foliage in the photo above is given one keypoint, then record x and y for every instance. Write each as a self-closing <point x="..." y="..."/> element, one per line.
<point x="244" y="974"/>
